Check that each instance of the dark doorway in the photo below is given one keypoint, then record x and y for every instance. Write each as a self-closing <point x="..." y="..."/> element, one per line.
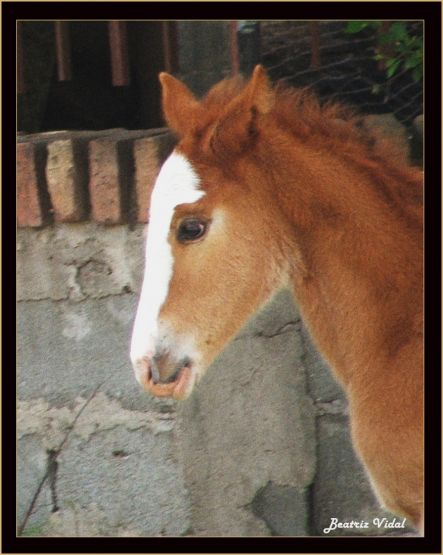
<point x="89" y="100"/>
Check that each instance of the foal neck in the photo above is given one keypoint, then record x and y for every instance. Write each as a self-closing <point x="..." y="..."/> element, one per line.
<point x="360" y="251"/>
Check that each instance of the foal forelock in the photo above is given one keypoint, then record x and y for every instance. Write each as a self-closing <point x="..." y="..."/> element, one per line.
<point x="177" y="183"/>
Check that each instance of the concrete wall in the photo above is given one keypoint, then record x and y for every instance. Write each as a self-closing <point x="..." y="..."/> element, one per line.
<point x="262" y="448"/>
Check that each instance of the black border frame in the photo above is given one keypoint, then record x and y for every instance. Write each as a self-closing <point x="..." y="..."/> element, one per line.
<point x="430" y="13"/>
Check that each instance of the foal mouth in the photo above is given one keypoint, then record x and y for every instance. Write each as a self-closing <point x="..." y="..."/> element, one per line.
<point x="178" y="386"/>
<point x="155" y="372"/>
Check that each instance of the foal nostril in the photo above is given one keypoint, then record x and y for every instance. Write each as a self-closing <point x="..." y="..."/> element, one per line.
<point x="153" y="368"/>
<point x="165" y="369"/>
<point x="160" y="365"/>
<point x="173" y="376"/>
<point x="186" y="361"/>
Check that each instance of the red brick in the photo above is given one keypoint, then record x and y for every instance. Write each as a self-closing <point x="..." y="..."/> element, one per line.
<point x="29" y="208"/>
<point x="149" y="155"/>
<point x="66" y="175"/>
<point x="104" y="181"/>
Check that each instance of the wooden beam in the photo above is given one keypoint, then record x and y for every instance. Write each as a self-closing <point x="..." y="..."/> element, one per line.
<point x="169" y="40"/>
<point x="233" y="47"/>
<point x="385" y="49"/>
<point x="63" y="50"/>
<point x="118" y="42"/>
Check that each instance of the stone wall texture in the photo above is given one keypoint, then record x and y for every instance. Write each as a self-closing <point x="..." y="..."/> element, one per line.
<point x="262" y="447"/>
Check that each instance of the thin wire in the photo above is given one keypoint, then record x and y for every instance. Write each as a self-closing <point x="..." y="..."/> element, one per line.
<point x="348" y="71"/>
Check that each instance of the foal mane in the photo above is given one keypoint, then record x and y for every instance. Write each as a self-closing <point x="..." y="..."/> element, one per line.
<point x="300" y="111"/>
<point x="339" y="129"/>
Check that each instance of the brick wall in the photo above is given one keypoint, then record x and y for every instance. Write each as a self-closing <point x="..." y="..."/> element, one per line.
<point x="74" y="176"/>
<point x="107" y="176"/>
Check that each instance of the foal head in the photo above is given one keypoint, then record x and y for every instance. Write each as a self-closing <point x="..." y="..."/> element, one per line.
<point x="211" y="260"/>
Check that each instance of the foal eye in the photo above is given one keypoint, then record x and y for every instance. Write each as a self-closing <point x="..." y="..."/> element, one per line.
<point x="191" y="230"/>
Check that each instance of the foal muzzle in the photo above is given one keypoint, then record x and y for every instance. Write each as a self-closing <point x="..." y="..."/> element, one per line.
<point x="161" y="377"/>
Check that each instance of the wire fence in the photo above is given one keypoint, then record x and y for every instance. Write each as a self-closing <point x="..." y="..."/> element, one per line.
<point x="339" y="65"/>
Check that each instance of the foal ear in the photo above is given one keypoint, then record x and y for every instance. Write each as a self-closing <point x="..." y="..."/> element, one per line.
<point x="260" y="93"/>
<point x="237" y="125"/>
<point x="180" y="107"/>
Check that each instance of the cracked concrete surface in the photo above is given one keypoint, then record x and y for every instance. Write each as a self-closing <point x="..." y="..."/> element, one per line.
<point x="249" y="454"/>
<point x="112" y="443"/>
<point x="78" y="261"/>
<point x="285" y="509"/>
<point x="53" y="423"/>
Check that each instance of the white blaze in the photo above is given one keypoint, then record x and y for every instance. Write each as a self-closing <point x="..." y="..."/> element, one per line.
<point x="177" y="183"/>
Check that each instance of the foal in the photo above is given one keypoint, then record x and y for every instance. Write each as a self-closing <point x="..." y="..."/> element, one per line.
<point x="266" y="189"/>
